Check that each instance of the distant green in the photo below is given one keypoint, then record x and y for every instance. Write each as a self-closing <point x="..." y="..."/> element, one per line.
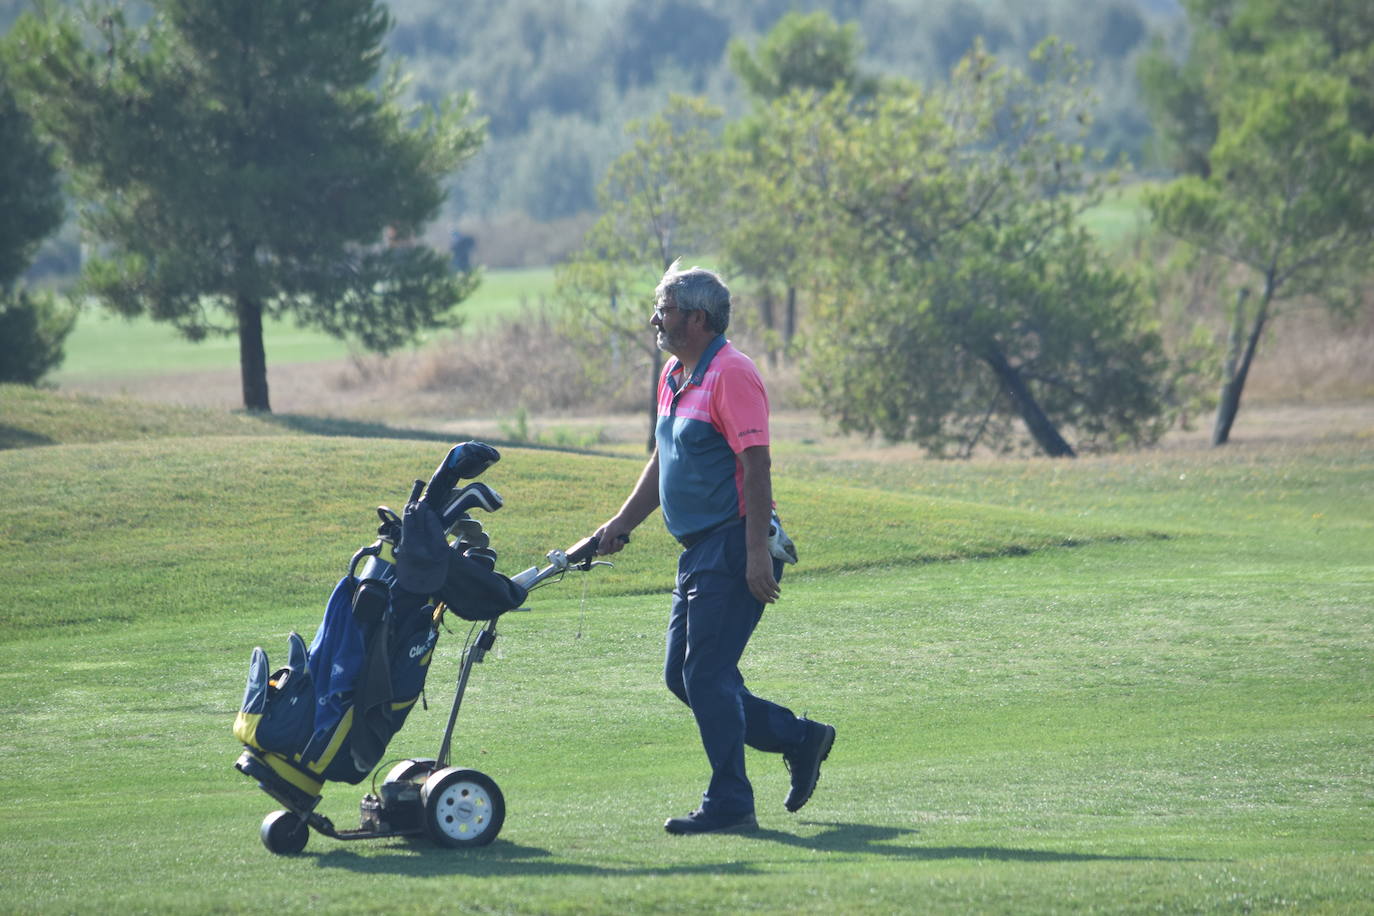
<point x="104" y="345"/>
<point x="1119" y="215"/>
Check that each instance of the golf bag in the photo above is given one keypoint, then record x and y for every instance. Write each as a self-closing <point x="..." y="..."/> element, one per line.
<point x="330" y="712"/>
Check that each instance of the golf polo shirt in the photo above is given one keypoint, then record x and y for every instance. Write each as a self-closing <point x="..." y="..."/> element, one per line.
<point x="703" y="423"/>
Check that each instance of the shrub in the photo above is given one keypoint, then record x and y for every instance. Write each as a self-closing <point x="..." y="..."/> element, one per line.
<point x="34" y="328"/>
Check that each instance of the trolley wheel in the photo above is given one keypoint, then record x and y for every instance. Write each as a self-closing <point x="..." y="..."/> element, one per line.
<point x="462" y="808"/>
<point x="414" y="770"/>
<point x="284" y="833"/>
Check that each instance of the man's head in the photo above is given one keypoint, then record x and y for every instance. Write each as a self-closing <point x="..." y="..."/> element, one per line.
<point x="695" y="290"/>
<point x="691" y="307"/>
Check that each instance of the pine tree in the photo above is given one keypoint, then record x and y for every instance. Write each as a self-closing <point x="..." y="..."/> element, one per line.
<point x="246" y="158"/>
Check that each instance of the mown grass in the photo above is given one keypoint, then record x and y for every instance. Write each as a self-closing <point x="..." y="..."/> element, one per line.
<point x="1176" y="713"/>
<point x="103" y="345"/>
<point x="191" y="515"/>
<point x="31" y="416"/>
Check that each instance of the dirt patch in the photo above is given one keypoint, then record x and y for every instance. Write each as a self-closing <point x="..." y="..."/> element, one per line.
<point x="343" y="389"/>
<point x="520" y="381"/>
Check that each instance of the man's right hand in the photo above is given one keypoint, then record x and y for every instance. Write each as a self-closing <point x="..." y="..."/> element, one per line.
<point x="614" y="535"/>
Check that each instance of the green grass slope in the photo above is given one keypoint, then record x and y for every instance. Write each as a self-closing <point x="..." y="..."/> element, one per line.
<point x="38" y="416"/>
<point x="1174" y="713"/>
<point x="34" y="416"/>
<point x="148" y="529"/>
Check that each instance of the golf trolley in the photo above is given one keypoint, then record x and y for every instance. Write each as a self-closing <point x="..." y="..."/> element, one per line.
<point x="329" y="713"/>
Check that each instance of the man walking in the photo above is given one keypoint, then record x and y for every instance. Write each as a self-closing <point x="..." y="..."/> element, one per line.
<point x="710" y="473"/>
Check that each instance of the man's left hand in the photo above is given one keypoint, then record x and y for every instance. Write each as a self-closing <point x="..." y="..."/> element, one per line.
<point x="759" y="574"/>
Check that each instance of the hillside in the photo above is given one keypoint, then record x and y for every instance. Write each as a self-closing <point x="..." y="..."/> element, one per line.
<point x="186" y="503"/>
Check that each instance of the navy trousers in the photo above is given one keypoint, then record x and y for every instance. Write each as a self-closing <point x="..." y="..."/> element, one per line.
<point x="713" y="616"/>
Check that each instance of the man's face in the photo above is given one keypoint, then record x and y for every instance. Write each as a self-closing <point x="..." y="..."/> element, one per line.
<point x="671" y="323"/>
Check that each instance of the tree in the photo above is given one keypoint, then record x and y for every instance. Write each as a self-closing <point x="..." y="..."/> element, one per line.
<point x="1290" y="198"/>
<point x="762" y="226"/>
<point x="236" y="163"/>
<point x="656" y="200"/>
<point x="1229" y="40"/>
<point x="803" y="51"/>
<point x="639" y="51"/>
<point x="32" y="326"/>
<point x="1184" y="120"/>
<point x="30" y="192"/>
<point x="962" y="290"/>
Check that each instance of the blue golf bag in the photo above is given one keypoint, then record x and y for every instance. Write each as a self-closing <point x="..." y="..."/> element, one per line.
<point x="329" y="713"/>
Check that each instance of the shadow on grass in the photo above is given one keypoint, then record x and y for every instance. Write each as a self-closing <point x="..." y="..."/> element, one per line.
<point x="504" y="859"/>
<point x="501" y="859"/>
<point x="869" y="839"/>
<point x="335" y="426"/>
<point x="15" y="437"/>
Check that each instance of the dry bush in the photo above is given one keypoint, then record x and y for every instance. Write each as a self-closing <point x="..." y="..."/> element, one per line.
<point x="519" y="364"/>
<point x="529" y="364"/>
<point x="1311" y="356"/>
<point x="525" y="364"/>
<point x="1307" y="354"/>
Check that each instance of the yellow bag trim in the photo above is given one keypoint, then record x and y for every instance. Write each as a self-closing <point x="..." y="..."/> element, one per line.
<point x="292" y="775"/>
<point x="246" y="728"/>
<point x="340" y="733"/>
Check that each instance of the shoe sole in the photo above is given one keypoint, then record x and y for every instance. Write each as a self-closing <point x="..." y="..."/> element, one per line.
<point x="816" y="777"/>
<point x="745" y="827"/>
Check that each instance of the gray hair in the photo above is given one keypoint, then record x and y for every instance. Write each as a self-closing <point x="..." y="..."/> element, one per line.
<point x="696" y="290"/>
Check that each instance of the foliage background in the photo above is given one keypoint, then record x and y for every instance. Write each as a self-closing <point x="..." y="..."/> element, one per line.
<point x="558" y="79"/>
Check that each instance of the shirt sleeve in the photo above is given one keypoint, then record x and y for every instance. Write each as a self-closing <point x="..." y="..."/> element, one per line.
<point x="739" y="408"/>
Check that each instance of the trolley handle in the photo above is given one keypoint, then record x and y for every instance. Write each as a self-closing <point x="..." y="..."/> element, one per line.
<point x="580" y="556"/>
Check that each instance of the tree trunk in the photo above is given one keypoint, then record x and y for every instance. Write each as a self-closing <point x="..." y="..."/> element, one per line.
<point x="1234" y="382"/>
<point x="615" y="338"/>
<point x="1041" y="429"/>
<point x="789" y="328"/>
<point x="766" y="309"/>
<point x="770" y="322"/>
<point x="252" y="355"/>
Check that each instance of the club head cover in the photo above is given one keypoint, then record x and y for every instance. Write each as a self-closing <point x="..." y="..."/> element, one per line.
<point x="473" y="496"/>
<point x="470" y="459"/>
<point x="464" y="460"/>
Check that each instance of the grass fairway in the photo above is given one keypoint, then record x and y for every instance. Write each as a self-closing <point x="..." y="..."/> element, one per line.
<point x="1109" y="685"/>
<point x="109" y="347"/>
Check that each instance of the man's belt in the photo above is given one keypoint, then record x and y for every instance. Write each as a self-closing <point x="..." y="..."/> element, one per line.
<point x="688" y="541"/>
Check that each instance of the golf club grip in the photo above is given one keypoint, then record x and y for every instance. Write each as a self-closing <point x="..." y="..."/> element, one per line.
<point x="416" y="490"/>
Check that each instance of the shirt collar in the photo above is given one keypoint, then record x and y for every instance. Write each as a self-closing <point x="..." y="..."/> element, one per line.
<point x="703" y="364"/>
